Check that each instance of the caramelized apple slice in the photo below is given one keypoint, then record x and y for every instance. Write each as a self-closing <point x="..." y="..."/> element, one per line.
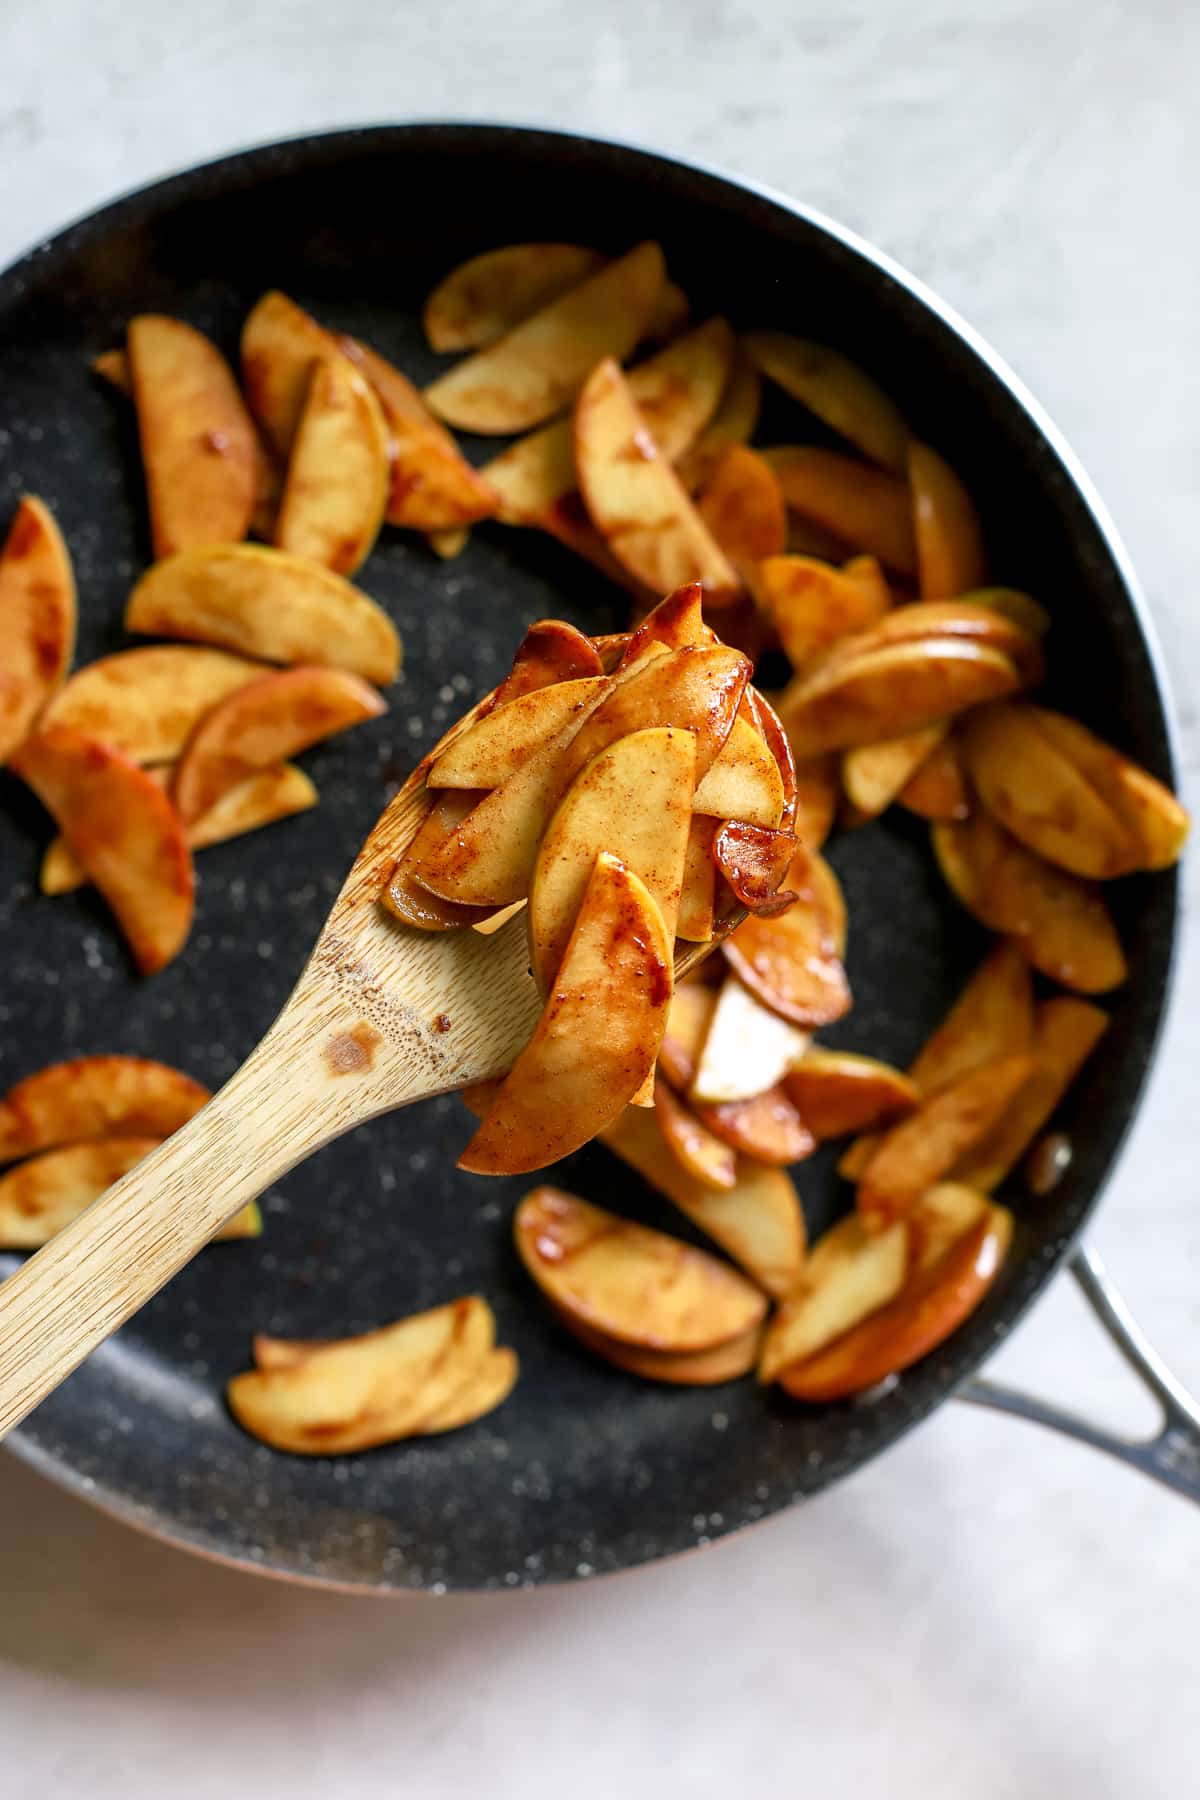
<point x="835" y="1092"/>
<point x="96" y="1096"/>
<point x="688" y="1022"/>
<point x="938" y="789"/>
<point x="339" y="471"/>
<point x="696" y="920"/>
<point x="841" y="394"/>
<point x="37" y="619"/>
<point x="699" y="1153"/>
<point x="740" y="502"/>
<point x="743" y="783"/>
<point x="873" y="775"/>
<point x="811" y="604"/>
<point x="678" y="1368"/>
<point x="551" y="651"/>
<point x="942" y="1216"/>
<point x="732" y="423"/>
<point x="482" y="298"/>
<point x="765" y="1127"/>
<point x="147" y="702"/>
<point x="503" y="740"/>
<point x="950" y="554"/>
<point x="793" y="962"/>
<point x="863" y="506"/>
<point x="1149" y="812"/>
<point x="280" y="345"/>
<point x="847" y="1275"/>
<point x="40" y="1196"/>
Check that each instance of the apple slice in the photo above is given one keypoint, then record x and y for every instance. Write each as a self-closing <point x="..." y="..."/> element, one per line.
<point x="874" y="775"/>
<point x="740" y="502"/>
<point x="1041" y="797"/>
<point x="280" y="345"/>
<point x="483" y="298"/>
<point x="676" y="393"/>
<point x="40" y="1196"/>
<point x="938" y="789"/>
<point x="745" y="1051"/>
<point x="1062" y="924"/>
<point x="339" y="471"/>
<point x="733" y="422"/>
<point x="37" y="619"/>
<point x="942" y="1216"/>
<point x="1148" y="811"/>
<point x="96" y="1096"/>
<point x="1065" y="1033"/>
<point x="633" y="800"/>
<point x="628" y="1282"/>
<point x="113" y="366"/>
<point x="915" y="1154"/>
<point x="836" y="390"/>
<point x="432" y="486"/>
<point x="147" y="702"/>
<point x="836" y="1092"/>
<point x="847" y="1275"/>
<point x="767" y="723"/>
<point x="535" y="369"/>
<point x="502" y="741"/>
<point x="597" y="1038"/>
<point x="491" y="858"/>
<point x="924" y="1313"/>
<point x="765" y="1127"/>
<point x="272" y="794"/>
<point x="758" y="1221"/>
<point x="634" y="497"/>
<point x="967" y="618"/>
<point x="889" y="691"/>
<point x="262" y="723"/>
<point x="950" y="553"/>
<point x="743" y="783"/>
<point x="551" y="651"/>
<point x="265" y="603"/>
<point x="199" y="446"/>
<point x="696" y="921"/>
<point x="406" y="897"/>
<point x="703" y="1156"/>
<point x="675" y="623"/>
<point x="688" y="1020"/>
<point x="123" y="831"/>
<point x="686" y="1368"/>
<point x="865" y="507"/>
<point x="487" y="1386"/>
<point x="811" y="604"/>
<point x="793" y="962"/>
<point x="754" y="862"/>
<point x="816" y="798"/>
<point x="353" y="1393"/>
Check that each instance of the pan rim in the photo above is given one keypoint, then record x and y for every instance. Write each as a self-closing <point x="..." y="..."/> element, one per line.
<point x="254" y="159"/>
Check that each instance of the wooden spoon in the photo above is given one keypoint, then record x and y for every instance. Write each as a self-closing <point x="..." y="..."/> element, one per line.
<point x="383" y="1015"/>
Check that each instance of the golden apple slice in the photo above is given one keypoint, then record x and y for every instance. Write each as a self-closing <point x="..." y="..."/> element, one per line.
<point x="503" y="740"/>
<point x="942" y="1216"/>
<point x="407" y="897"/>
<point x="865" y="507"/>
<point x="816" y="798"/>
<point x="841" y="394"/>
<point x="847" y="1275"/>
<point x="353" y="1393"/>
<point x="490" y="860"/>
<point x="339" y="471"/>
<point x="265" y="603"/>
<point x="696" y="921"/>
<point x="676" y="393"/>
<point x="969" y="619"/>
<point x="938" y="789"/>
<point x="754" y="861"/>
<point x="635" y="498"/>
<point x="536" y="369"/>
<point x="551" y="651"/>
<point x="688" y="1020"/>
<point x="1041" y="797"/>
<point x="676" y="623"/>
<point x="40" y="1196"/>
<point x="836" y="1092"/>
<point x="487" y="1386"/>
<point x="758" y="1221"/>
<point x="873" y="775"/>
<point x="597" y="1038"/>
<point x="793" y="962"/>
<point x="628" y="1282"/>
<point x="915" y="1154"/>
<point x="263" y="723"/>
<point x="432" y="486"/>
<point x="281" y="344"/>
<point x="1148" y="811"/>
<point x="1019" y="608"/>
<point x="746" y="1049"/>
<point x="765" y="1127"/>
<point x="733" y="422"/>
<point x="743" y="782"/>
<point x="96" y="1096"/>
<point x="272" y="794"/>
<point x="770" y="728"/>
<point x="811" y="604"/>
<point x="634" y="801"/>
<point x="199" y="445"/>
<point x="705" y="1157"/>
<point x="1062" y="923"/>
<point x="37" y="619"/>
<point x="484" y="297"/>
<point x="123" y="832"/>
<point x="740" y="502"/>
<point x="950" y="553"/>
<point x="892" y="690"/>
<point x="147" y="702"/>
<point x="679" y="1368"/>
<point x="925" y="1312"/>
<point x="1065" y="1033"/>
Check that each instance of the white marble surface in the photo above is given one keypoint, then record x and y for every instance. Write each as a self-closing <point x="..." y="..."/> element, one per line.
<point x="986" y="1612"/>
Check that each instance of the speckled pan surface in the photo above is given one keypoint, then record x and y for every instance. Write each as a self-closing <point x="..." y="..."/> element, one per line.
<point x="584" y="1470"/>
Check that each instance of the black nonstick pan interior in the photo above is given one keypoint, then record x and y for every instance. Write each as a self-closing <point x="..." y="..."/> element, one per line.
<point x="584" y="1470"/>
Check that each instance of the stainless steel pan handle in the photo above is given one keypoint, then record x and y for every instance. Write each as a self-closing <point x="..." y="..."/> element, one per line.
<point x="1173" y="1456"/>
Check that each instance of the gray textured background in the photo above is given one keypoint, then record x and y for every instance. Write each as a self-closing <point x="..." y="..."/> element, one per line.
<point x="986" y="1611"/>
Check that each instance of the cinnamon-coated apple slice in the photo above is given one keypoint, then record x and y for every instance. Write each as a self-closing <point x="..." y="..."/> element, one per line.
<point x="482" y="298"/>
<point x="811" y="604"/>
<point x="837" y="1091"/>
<point x="597" y="1038"/>
<point x="40" y="1196"/>
<point x="950" y="554"/>
<point x="551" y="651"/>
<point x="741" y="504"/>
<point x="677" y="1368"/>
<point x="766" y="1127"/>
<point x="280" y="345"/>
<point x="697" y="1150"/>
<point x="792" y="962"/>
<point x="873" y="775"/>
<point x="865" y="507"/>
<point x="836" y="390"/>
<point x="733" y="422"/>
<point x="977" y="620"/>
<point x="123" y="832"/>
<point x="147" y="702"/>
<point x="890" y="690"/>
<point x="847" y="1275"/>
<point x="37" y="619"/>
<point x="96" y="1096"/>
<point x="1150" y="813"/>
<point x="743" y="782"/>
<point x="688" y="1021"/>
<point x="405" y="894"/>
<point x="938" y="788"/>
<point x="696" y="919"/>
<point x="339" y="471"/>
<point x="503" y="740"/>
<point x="943" y="1214"/>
